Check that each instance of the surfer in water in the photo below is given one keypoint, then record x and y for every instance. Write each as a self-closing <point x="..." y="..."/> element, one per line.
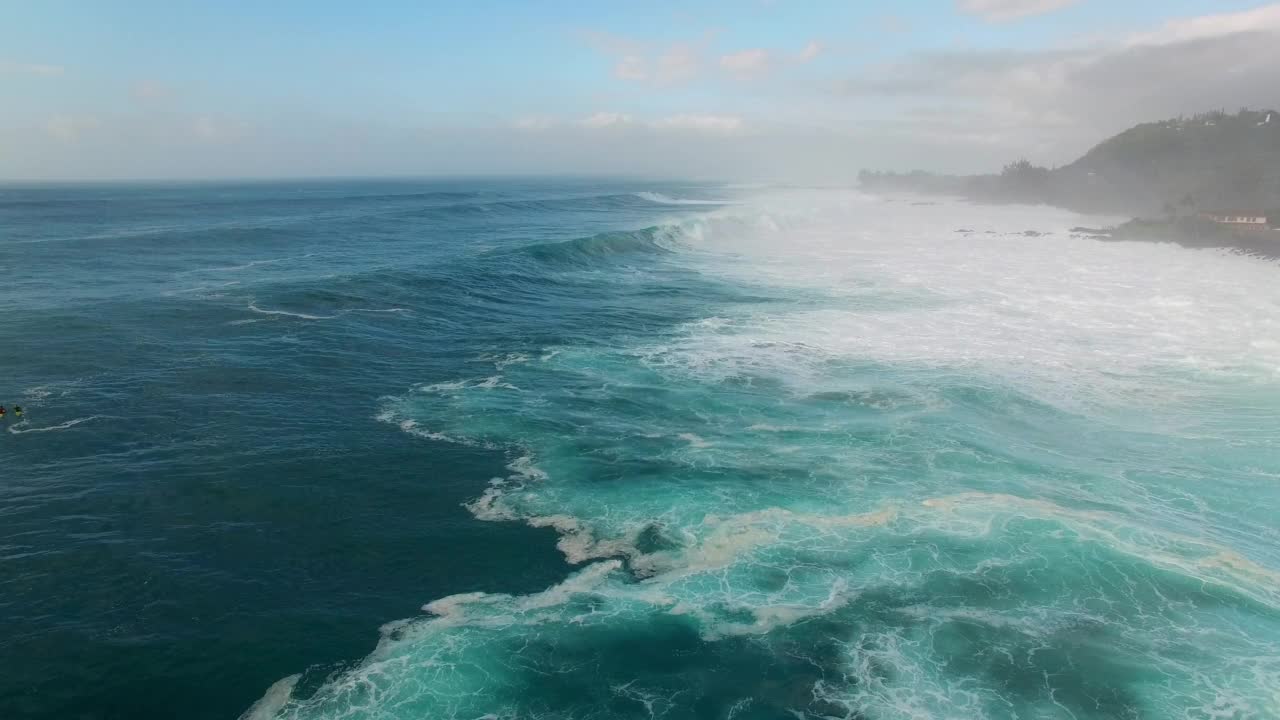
<point x="17" y="411"/>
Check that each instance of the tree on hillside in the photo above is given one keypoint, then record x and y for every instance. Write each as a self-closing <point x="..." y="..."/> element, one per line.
<point x="1207" y="161"/>
<point x="1022" y="181"/>
<point x="1022" y="169"/>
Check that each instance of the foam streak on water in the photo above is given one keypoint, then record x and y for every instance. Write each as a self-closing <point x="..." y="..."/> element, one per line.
<point x="905" y="472"/>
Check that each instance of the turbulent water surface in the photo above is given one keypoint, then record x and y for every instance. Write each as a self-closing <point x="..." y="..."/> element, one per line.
<point x="644" y="451"/>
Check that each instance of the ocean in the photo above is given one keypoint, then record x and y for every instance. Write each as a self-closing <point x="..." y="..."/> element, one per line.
<point x="577" y="448"/>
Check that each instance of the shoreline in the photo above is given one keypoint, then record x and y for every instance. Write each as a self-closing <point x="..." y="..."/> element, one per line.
<point x="1192" y="232"/>
<point x="1186" y="231"/>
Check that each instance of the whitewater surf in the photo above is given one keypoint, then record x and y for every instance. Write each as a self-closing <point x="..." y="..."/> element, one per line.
<point x="883" y="470"/>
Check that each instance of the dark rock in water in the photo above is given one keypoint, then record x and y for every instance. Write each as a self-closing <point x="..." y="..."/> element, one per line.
<point x="991" y="232"/>
<point x="1033" y="233"/>
<point x="964" y="230"/>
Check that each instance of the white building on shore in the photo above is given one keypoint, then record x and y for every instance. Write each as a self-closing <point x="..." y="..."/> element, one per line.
<point x="1241" y="219"/>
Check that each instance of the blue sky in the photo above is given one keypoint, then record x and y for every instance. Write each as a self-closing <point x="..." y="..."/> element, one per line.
<point x="753" y="87"/>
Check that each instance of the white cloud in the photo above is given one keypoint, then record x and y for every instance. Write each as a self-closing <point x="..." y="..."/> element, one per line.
<point x="701" y="123"/>
<point x="1258" y="19"/>
<point x="649" y="63"/>
<point x="811" y="50"/>
<point x="631" y="67"/>
<point x="606" y="119"/>
<point x="16" y="68"/>
<point x="678" y="63"/>
<point x="674" y="65"/>
<point x="1006" y="10"/>
<point x="746" y="62"/>
<point x="755" y="62"/>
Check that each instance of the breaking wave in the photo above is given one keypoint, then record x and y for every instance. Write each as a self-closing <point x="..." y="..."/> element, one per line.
<point x="668" y="200"/>
<point x="606" y="246"/>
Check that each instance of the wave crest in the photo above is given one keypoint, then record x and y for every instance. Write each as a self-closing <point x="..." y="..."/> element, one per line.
<point x="656" y="240"/>
<point x="661" y="199"/>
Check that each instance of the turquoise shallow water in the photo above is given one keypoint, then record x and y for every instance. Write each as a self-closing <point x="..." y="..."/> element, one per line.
<point x="650" y="451"/>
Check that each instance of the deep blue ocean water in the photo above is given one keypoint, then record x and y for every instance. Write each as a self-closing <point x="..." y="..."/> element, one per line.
<point x="643" y="450"/>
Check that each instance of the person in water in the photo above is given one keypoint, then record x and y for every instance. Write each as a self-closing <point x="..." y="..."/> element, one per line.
<point x="1" y="411"/>
<point x="17" y="411"/>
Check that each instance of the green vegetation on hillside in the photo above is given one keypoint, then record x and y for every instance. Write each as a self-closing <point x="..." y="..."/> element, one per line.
<point x="1164" y="169"/>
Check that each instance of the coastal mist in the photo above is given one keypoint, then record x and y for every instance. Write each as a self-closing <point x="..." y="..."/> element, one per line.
<point x="581" y="449"/>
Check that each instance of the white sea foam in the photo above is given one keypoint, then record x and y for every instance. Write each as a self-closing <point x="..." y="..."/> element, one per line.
<point x="412" y="427"/>
<point x="269" y="705"/>
<point x="304" y="316"/>
<point x="38" y="393"/>
<point x="203" y="288"/>
<point x="694" y="440"/>
<point x="245" y="266"/>
<point x="23" y="426"/>
<point x="285" y="313"/>
<point x="1070" y="319"/>
<point x="1193" y="557"/>
<point x="503" y="360"/>
<point x="492" y="382"/>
